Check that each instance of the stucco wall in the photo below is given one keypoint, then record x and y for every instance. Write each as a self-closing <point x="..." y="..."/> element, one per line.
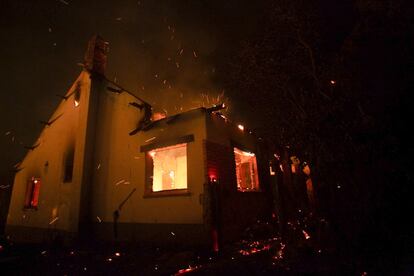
<point x="47" y="161"/>
<point x="120" y="166"/>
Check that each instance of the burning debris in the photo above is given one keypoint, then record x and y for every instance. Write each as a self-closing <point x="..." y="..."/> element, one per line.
<point x="187" y="270"/>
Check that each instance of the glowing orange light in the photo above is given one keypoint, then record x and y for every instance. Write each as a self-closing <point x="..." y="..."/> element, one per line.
<point x="152" y="154"/>
<point x="271" y="171"/>
<point x="158" y="116"/>
<point x="306" y="170"/>
<point x="215" y="240"/>
<point x="241" y="127"/>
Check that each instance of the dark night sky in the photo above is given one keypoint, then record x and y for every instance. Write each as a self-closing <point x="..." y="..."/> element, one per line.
<point x="44" y="40"/>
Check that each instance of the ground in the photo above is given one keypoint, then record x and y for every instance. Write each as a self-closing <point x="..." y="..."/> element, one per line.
<point x="261" y="252"/>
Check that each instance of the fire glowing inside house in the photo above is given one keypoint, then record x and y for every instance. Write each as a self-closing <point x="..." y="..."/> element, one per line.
<point x="170" y="168"/>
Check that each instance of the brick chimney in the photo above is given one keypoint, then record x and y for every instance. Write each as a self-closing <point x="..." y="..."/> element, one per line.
<point x="95" y="56"/>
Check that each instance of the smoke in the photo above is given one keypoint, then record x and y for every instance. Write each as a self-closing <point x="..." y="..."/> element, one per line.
<point x="165" y="56"/>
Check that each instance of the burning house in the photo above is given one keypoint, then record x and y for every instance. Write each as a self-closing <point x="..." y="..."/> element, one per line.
<point x="104" y="167"/>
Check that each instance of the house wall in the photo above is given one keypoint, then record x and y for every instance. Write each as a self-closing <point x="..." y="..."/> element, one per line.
<point x="58" y="201"/>
<point x="237" y="209"/>
<point x="120" y="169"/>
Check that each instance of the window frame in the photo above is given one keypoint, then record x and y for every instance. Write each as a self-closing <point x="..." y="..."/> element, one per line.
<point x="32" y="193"/>
<point x="149" y="167"/>
<point x="257" y="176"/>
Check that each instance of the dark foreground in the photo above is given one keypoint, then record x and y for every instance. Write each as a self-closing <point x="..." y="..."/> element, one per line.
<point x="257" y="254"/>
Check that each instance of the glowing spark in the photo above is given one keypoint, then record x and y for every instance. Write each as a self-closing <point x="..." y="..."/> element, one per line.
<point x="76" y="103"/>
<point x="150" y="139"/>
<point x="172" y="233"/>
<point x="339" y="186"/>
<point x="185" y="270"/>
<point x="43" y="252"/>
<point x="241" y="127"/>
<point x="181" y="51"/>
<point x="99" y="165"/>
<point x="307" y="237"/>
<point x="109" y="260"/>
<point x="119" y="182"/>
<point x="99" y="219"/>
<point x="117" y="254"/>
<point x="195" y="54"/>
<point x="152" y="154"/>
<point x="333" y="82"/>
<point x="53" y="220"/>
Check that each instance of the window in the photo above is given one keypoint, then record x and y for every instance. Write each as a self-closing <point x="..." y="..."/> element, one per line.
<point x="68" y="173"/>
<point x="32" y="193"/>
<point x="246" y="171"/>
<point x="168" y="168"/>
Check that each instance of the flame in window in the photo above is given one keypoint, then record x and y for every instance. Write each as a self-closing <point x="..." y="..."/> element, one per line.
<point x="246" y="170"/>
<point x="169" y="168"/>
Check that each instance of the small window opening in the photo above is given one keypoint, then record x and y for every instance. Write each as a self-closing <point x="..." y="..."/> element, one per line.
<point x="69" y="160"/>
<point x="246" y="171"/>
<point x="32" y="193"/>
